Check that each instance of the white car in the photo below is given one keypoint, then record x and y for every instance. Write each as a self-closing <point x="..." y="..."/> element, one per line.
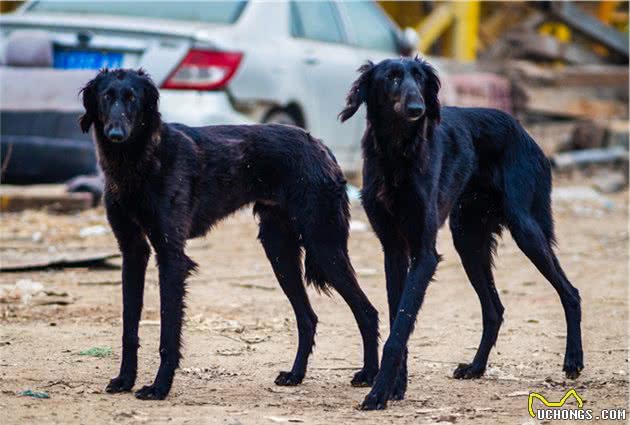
<point x="225" y="62"/>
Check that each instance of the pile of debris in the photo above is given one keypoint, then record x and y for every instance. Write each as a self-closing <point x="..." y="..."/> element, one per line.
<point x="562" y="70"/>
<point x="578" y="114"/>
<point x="574" y="97"/>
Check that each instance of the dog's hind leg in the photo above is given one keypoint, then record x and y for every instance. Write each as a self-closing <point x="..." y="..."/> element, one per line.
<point x="475" y="243"/>
<point x="527" y="207"/>
<point x="282" y="246"/>
<point x="531" y="239"/>
<point x="329" y="260"/>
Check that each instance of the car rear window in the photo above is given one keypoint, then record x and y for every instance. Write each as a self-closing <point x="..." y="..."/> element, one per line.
<point x="315" y="20"/>
<point x="221" y="12"/>
<point x="370" y="26"/>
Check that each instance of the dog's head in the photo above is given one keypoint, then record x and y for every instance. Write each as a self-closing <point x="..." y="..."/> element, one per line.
<point x="396" y="90"/>
<point x="120" y="103"/>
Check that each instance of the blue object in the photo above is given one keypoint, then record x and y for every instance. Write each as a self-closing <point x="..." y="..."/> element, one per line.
<point x="87" y="59"/>
<point x="34" y="394"/>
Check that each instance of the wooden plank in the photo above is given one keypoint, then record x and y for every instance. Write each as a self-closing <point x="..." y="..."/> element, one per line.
<point x="593" y="75"/>
<point x="52" y="197"/>
<point x="575" y="75"/>
<point x="14" y="260"/>
<point x="535" y="46"/>
<point x="568" y="103"/>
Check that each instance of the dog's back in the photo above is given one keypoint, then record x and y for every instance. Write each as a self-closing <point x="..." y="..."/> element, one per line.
<point x="263" y="148"/>
<point x="493" y="132"/>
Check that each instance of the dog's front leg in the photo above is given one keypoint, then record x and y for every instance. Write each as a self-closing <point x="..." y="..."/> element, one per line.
<point x="422" y="269"/>
<point x="396" y="268"/>
<point x="135" y="251"/>
<point x="174" y="267"/>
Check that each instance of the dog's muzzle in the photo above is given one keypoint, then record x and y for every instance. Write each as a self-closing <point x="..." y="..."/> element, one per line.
<point x="415" y="111"/>
<point x="116" y="135"/>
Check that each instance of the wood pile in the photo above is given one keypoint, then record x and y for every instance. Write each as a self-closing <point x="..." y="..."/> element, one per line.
<point x="577" y="113"/>
<point x="568" y="73"/>
<point x="580" y="91"/>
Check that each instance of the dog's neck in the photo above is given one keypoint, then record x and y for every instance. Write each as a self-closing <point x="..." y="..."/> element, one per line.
<point x="125" y="165"/>
<point x="400" y="139"/>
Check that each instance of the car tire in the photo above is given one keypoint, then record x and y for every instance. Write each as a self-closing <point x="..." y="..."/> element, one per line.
<point x="281" y="117"/>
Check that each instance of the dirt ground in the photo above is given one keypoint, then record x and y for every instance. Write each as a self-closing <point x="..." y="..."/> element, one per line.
<point x="240" y="331"/>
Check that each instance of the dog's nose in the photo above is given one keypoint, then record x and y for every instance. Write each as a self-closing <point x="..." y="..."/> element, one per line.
<point x="115" y="134"/>
<point x="415" y="110"/>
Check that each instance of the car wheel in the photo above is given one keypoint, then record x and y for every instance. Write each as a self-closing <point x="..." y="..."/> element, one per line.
<point x="281" y="117"/>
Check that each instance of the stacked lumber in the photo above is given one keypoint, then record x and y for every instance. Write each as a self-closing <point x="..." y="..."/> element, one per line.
<point x="578" y="114"/>
<point x="580" y="91"/>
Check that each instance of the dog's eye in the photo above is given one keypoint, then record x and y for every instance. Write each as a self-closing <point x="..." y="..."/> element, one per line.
<point x="395" y="78"/>
<point x="107" y="96"/>
<point x="131" y="98"/>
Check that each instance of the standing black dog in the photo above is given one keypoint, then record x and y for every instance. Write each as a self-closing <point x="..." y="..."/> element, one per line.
<point x="168" y="183"/>
<point x="424" y="163"/>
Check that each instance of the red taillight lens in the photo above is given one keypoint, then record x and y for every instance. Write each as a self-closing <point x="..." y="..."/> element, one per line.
<point x="204" y="70"/>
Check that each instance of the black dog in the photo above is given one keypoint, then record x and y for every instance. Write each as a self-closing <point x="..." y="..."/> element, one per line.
<point x="422" y="163"/>
<point x="168" y="183"/>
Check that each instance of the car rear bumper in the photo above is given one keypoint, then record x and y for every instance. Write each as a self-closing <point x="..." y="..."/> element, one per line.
<point x="196" y="108"/>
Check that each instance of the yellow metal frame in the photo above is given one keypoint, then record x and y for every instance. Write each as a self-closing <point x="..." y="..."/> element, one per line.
<point x="459" y="22"/>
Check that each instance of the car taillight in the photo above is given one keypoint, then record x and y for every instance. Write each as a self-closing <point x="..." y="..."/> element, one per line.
<point x="204" y="70"/>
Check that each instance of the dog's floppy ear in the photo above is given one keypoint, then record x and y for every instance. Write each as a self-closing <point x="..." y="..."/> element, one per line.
<point x="358" y="92"/>
<point x="152" y="98"/>
<point x="431" y="91"/>
<point x="90" y="102"/>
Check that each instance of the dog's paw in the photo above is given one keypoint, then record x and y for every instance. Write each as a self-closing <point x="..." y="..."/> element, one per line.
<point x="374" y="401"/>
<point x="288" y="379"/>
<point x="468" y="371"/>
<point x="572" y="368"/>
<point x="120" y="384"/>
<point x="151" y="392"/>
<point x="363" y="378"/>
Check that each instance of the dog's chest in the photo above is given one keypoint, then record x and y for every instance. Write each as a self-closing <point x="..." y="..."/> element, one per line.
<point x="132" y="198"/>
<point x="401" y="192"/>
<point x="393" y="195"/>
<point x="385" y="195"/>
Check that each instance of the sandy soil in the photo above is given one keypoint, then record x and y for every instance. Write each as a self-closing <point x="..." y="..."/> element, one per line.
<point x="240" y="332"/>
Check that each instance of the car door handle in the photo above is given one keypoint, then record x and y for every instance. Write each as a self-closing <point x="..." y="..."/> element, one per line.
<point x="311" y="60"/>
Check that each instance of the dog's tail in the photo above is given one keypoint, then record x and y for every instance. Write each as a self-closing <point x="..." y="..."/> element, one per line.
<point x="325" y="238"/>
<point x="328" y="269"/>
<point x="314" y="274"/>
